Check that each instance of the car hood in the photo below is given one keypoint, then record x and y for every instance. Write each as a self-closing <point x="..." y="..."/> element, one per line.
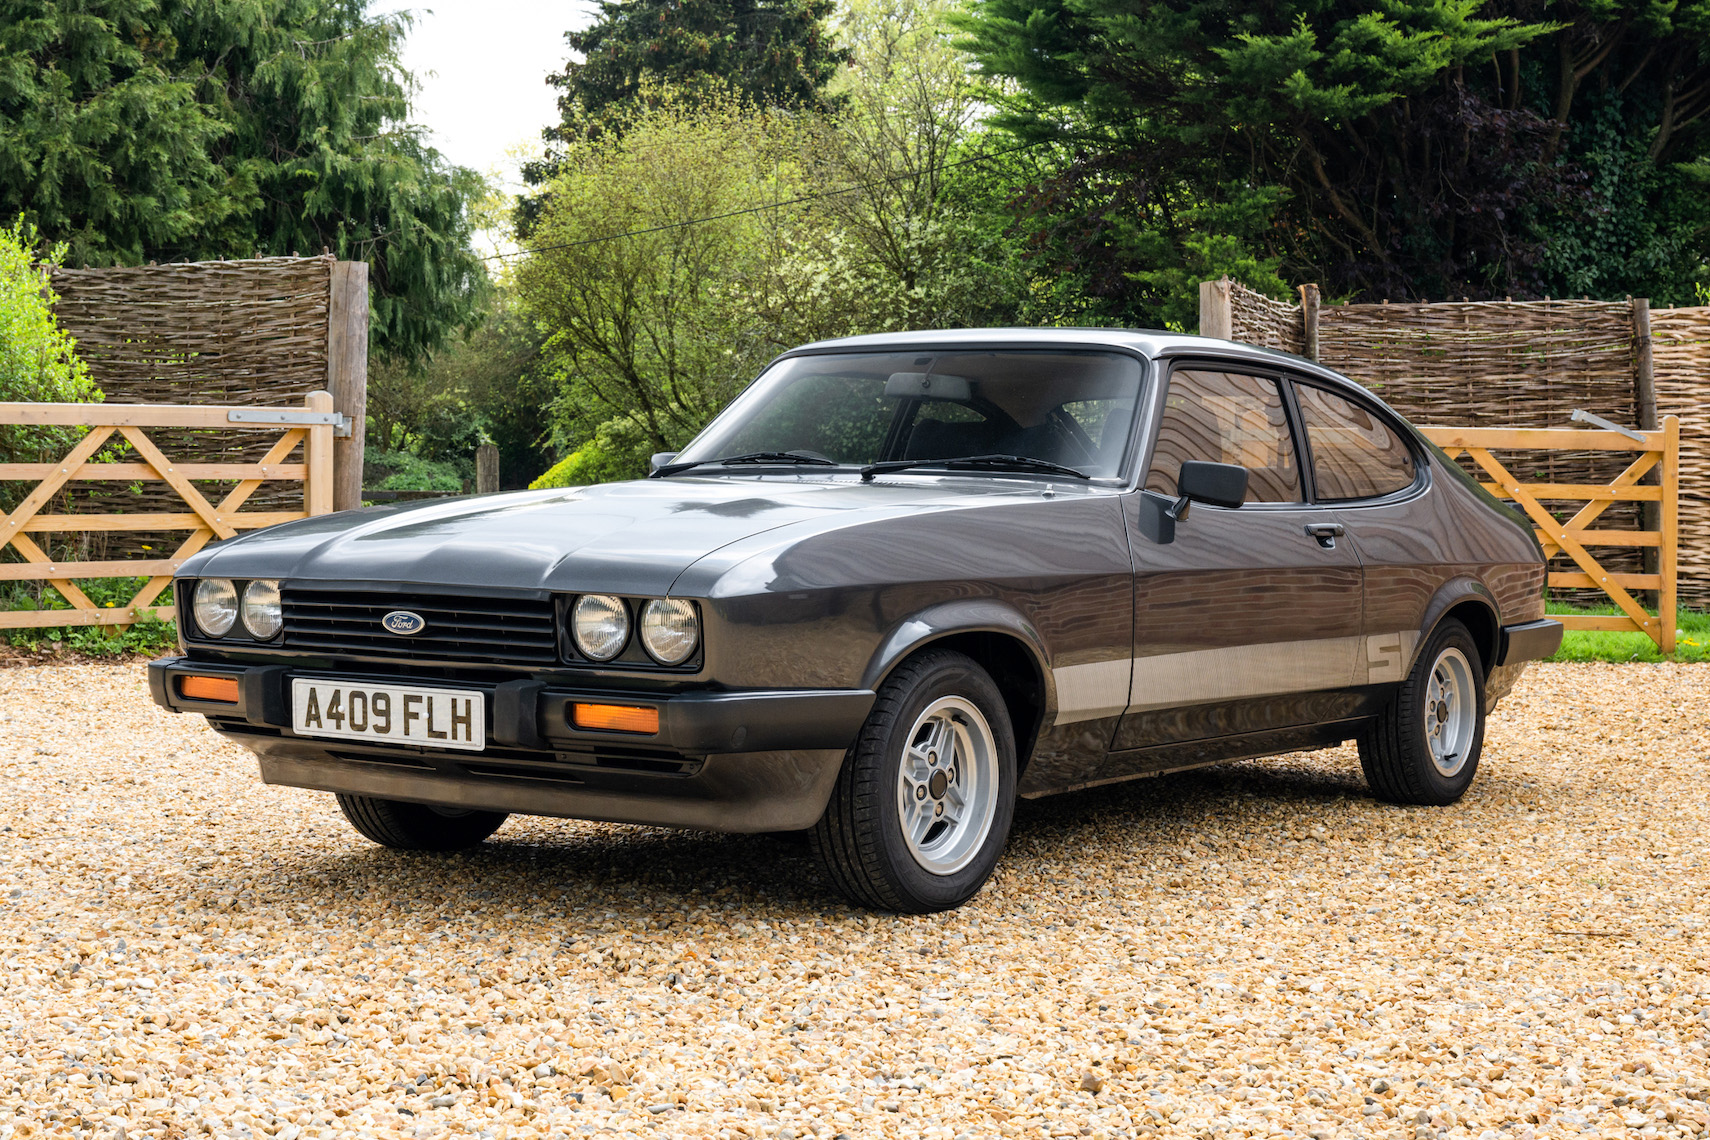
<point x="634" y="537"/>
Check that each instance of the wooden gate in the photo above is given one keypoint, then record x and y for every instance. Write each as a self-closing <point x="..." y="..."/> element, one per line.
<point x="310" y="428"/>
<point x="1653" y="450"/>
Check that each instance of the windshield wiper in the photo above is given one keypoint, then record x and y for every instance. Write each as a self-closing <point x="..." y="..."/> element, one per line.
<point x="974" y="463"/>
<point x="755" y="457"/>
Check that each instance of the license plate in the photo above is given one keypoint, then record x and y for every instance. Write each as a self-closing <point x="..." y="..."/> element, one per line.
<point x="386" y="714"/>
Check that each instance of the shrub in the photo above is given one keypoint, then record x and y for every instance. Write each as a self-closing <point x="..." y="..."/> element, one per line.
<point x="618" y="451"/>
<point x="38" y="360"/>
<point x="406" y="471"/>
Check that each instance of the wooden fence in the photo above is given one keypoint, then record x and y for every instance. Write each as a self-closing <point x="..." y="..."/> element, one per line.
<point x="309" y="429"/>
<point x="264" y="331"/>
<point x="1654" y="450"/>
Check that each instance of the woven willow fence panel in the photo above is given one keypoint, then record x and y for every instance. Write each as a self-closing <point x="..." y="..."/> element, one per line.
<point x="1680" y="354"/>
<point x="1270" y="324"/>
<point x="214" y="332"/>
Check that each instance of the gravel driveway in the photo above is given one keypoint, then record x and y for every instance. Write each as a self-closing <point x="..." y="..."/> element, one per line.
<point x="1252" y="950"/>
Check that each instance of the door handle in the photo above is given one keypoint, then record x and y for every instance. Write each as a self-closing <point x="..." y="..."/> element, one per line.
<point x="1325" y="533"/>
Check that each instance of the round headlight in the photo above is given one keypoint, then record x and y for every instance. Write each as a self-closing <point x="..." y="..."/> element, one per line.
<point x="669" y="630"/>
<point x="600" y="625"/>
<point x="262" y="615"/>
<point x="216" y="606"/>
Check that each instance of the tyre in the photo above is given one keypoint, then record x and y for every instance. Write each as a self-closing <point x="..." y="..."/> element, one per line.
<point x="418" y="827"/>
<point x="1424" y="747"/>
<point x="923" y="803"/>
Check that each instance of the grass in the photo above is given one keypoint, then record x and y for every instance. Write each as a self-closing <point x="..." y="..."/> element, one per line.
<point x="145" y="637"/>
<point x="1692" y="643"/>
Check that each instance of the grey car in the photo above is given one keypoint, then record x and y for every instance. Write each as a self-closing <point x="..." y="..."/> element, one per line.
<point x="899" y="582"/>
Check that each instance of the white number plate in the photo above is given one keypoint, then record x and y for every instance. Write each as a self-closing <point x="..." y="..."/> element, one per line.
<point x="433" y="718"/>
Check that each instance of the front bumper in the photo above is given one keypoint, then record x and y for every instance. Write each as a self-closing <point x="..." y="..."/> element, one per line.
<point x="722" y="761"/>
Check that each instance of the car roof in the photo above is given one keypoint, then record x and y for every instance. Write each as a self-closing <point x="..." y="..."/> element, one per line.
<point x="1146" y="342"/>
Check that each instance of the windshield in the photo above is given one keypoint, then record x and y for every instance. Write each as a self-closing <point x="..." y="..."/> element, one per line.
<point x="1070" y="408"/>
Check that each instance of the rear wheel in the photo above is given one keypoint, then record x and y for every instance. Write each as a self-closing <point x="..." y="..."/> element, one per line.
<point x="923" y="804"/>
<point x="418" y="827"/>
<point x="1424" y="748"/>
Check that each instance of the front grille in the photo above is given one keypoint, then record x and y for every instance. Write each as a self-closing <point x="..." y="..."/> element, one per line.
<point x="513" y="629"/>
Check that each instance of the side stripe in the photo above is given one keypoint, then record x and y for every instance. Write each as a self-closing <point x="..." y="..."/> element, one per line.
<point x="1206" y="676"/>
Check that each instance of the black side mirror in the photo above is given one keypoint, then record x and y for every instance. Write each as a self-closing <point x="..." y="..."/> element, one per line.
<point x="1220" y="484"/>
<point x="660" y="459"/>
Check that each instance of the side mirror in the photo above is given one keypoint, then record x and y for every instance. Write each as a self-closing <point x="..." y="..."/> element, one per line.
<point x="1220" y="484"/>
<point x="660" y="459"/>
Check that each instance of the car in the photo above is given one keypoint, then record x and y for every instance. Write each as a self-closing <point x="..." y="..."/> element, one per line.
<point x="899" y="582"/>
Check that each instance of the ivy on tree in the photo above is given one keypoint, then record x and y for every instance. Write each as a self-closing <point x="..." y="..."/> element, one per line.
<point x="168" y="130"/>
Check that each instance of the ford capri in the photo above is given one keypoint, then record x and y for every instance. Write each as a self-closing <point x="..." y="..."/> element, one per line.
<point x="899" y="582"/>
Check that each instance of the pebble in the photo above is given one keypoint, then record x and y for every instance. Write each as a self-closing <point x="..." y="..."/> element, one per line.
<point x="1253" y="950"/>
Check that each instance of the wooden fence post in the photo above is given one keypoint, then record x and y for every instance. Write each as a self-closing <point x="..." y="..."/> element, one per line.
<point x="347" y="376"/>
<point x="1309" y="301"/>
<point x="1645" y="403"/>
<point x="318" y="495"/>
<point x="1216" y="309"/>
<point x="1668" y="551"/>
<point x="486" y="469"/>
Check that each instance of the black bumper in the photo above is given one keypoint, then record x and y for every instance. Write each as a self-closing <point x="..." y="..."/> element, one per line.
<point x="726" y="761"/>
<point x="1531" y="641"/>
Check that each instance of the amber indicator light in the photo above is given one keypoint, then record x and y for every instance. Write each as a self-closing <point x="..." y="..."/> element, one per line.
<point x="615" y="718"/>
<point x="209" y="689"/>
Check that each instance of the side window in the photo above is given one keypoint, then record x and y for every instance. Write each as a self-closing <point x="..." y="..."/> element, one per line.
<point x="1227" y="417"/>
<point x="1355" y="455"/>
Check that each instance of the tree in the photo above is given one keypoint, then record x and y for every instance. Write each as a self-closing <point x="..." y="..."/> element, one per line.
<point x="488" y="385"/>
<point x="895" y="154"/>
<point x="768" y="54"/>
<point x="163" y="130"/>
<point x="660" y="267"/>
<point x="1420" y="149"/>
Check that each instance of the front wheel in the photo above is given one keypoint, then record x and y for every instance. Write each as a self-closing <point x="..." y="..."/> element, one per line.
<point x="418" y="827"/>
<point x="923" y="804"/>
<point x="1424" y="747"/>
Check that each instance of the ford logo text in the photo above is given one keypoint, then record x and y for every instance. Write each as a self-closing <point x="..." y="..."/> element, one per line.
<point x="404" y="623"/>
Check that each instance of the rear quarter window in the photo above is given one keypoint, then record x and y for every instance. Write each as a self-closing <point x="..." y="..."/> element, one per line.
<point x="1355" y="453"/>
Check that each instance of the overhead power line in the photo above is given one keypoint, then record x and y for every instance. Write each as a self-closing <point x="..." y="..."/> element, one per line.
<point x="855" y="189"/>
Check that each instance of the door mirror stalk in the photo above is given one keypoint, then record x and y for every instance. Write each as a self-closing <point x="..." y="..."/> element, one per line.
<point x="1219" y="484"/>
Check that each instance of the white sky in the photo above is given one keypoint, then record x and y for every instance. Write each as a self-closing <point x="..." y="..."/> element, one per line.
<point x="482" y="66"/>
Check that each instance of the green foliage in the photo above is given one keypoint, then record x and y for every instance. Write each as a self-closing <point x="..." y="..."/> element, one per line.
<point x="664" y="324"/>
<point x="151" y="635"/>
<point x="1419" y="149"/>
<point x="907" y="249"/>
<point x="143" y="130"/>
<point x="38" y="360"/>
<point x="617" y="451"/>
<point x="770" y="54"/>
<point x="1692" y="643"/>
<point x="406" y="471"/>
<point x="488" y="385"/>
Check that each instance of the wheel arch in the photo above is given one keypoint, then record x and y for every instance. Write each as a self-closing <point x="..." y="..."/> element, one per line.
<point x="1470" y="602"/>
<point x="1002" y="641"/>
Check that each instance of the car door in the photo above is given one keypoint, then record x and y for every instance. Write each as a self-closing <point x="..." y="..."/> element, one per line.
<point x="1362" y="466"/>
<point x="1249" y="620"/>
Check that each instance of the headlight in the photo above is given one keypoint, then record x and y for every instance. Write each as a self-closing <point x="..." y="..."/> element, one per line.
<point x="262" y="615"/>
<point x="216" y="606"/>
<point x="669" y="630"/>
<point x="600" y="625"/>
